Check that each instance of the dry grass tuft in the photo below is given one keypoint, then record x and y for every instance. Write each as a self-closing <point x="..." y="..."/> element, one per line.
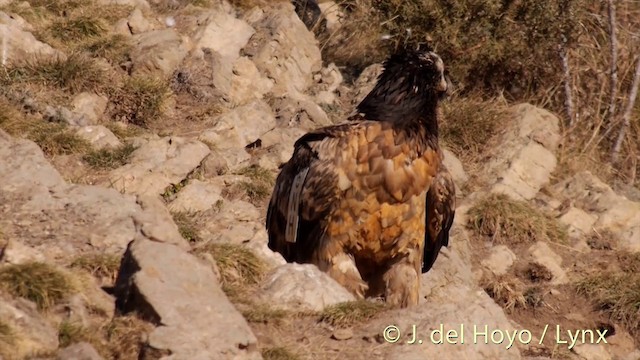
<point x="602" y="240"/>
<point x="110" y="158"/>
<point x="534" y="296"/>
<point x="536" y="272"/>
<point x="126" y="336"/>
<point x="240" y="269"/>
<point x="122" y="337"/>
<point x="186" y="225"/>
<point x="506" y="292"/>
<point x="166" y="6"/>
<point x="41" y="283"/>
<point x="255" y="191"/>
<point x="55" y="7"/>
<point x="264" y="314"/>
<point x="77" y="29"/>
<point x="616" y="294"/>
<point x="74" y="73"/>
<point x="629" y="262"/>
<point x="7" y="339"/>
<point x="469" y="123"/>
<point x="140" y="101"/>
<point x="170" y="192"/>
<point x="237" y="263"/>
<point x="115" y="48"/>
<point x="58" y="139"/>
<point x="507" y="221"/>
<point x="349" y="313"/>
<point x="123" y="131"/>
<point x="98" y="265"/>
<point x="278" y="353"/>
<point x="69" y="333"/>
<point x="53" y="138"/>
<point x="258" y="188"/>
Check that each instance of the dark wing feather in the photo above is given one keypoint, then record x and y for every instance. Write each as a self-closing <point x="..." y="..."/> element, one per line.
<point x="295" y="221"/>
<point x="440" y="211"/>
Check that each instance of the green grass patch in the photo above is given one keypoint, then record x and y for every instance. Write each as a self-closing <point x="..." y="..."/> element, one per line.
<point x="507" y="221"/>
<point x="110" y="158"/>
<point x="41" y="283"/>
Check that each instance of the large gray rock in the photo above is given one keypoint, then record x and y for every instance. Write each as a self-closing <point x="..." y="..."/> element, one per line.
<point x="456" y="169"/>
<point x="611" y="211"/>
<point x="89" y="108"/>
<point x="17" y="43"/>
<point x="197" y="196"/>
<point x="526" y="157"/>
<point x="174" y="288"/>
<point x="499" y="260"/>
<point x="300" y="112"/>
<point x="158" y="52"/>
<point x="302" y="287"/>
<point x="223" y="33"/>
<point x="242" y="125"/>
<point x="278" y="144"/>
<point x="58" y="220"/>
<point x="237" y="222"/>
<point x="247" y="82"/>
<point x="158" y="164"/>
<point x="236" y="129"/>
<point x="137" y="23"/>
<point x="284" y="50"/>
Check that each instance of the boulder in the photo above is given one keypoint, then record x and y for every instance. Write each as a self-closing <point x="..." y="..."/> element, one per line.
<point x="303" y="287"/>
<point x="174" y="288"/>
<point x="99" y="136"/>
<point x="158" y="53"/>
<point x="526" y="157"/>
<point x="284" y="50"/>
<point x="611" y="211"/>
<point x="17" y="43"/>
<point x="197" y="196"/>
<point x="158" y="164"/>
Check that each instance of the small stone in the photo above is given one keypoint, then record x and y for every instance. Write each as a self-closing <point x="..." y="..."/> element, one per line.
<point x="342" y="334"/>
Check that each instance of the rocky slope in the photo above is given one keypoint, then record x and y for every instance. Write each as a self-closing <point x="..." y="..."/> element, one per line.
<point x="148" y="240"/>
